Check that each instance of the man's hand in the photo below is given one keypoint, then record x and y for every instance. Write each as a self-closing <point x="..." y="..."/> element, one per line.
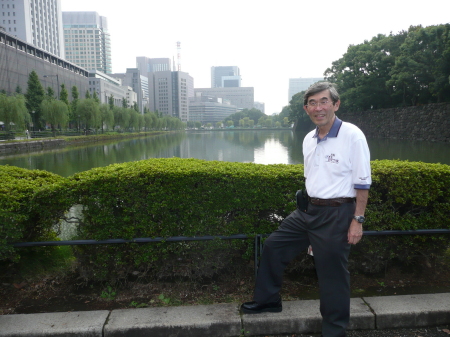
<point x="355" y="232"/>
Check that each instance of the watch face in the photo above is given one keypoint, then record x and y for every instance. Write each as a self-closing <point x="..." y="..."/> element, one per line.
<point x="359" y="218"/>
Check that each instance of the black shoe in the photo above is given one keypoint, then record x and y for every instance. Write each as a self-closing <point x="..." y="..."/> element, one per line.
<point x="256" y="308"/>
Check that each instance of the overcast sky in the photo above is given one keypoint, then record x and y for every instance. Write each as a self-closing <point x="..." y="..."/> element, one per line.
<point x="270" y="41"/>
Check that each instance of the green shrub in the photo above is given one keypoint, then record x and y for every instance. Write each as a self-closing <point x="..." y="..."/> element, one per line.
<point x="404" y="196"/>
<point x="22" y="217"/>
<point x="190" y="197"/>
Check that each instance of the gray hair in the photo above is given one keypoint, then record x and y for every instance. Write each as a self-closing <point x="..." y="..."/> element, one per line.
<point x="319" y="87"/>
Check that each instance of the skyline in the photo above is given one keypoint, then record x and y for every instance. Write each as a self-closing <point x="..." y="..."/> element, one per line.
<point x="269" y="44"/>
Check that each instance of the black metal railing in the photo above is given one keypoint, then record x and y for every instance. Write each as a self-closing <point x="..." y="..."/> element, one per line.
<point x="258" y="242"/>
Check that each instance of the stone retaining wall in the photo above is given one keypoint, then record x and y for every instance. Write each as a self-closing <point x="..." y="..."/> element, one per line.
<point x="427" y="122"/>
<point x="9" y="147"/>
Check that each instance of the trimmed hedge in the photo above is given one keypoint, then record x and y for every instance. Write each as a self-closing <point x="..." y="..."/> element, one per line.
<point x="23" y="216"/>
<point x="190" y="197"/>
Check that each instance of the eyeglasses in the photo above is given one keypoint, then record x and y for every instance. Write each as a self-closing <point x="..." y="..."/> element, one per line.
<point x="313" y="104"/>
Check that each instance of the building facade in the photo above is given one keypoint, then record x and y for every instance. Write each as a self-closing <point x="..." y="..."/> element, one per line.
<point x="106" y="86"/>
<point x="147" y="67"/>
<point x="242" y="97"/>
<point x="18" y="59"/>
<point x="225" y="77"/>
<point x="209" y="109"/>
<point x="137" y="82"/>
<point x="297" y="85"/>
<point x="260" y="106"/>
<point x="36" y="22"/>
<point x="172" y="90"/>
<point x="87" y="41"/>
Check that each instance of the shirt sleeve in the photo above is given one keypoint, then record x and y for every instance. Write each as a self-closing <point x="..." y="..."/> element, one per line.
<point x="362" y="177"/>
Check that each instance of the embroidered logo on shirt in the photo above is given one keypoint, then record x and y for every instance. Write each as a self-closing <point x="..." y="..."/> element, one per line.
<point x="330" y="159"/>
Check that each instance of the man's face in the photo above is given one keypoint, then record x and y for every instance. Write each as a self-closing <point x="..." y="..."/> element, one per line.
<point x="320" y="109"/>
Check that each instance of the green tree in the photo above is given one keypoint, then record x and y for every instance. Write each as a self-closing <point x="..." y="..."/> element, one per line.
<point x="107" y="116"/>
<point x="420" y="73"/>
<point x="89" y="113"/>
<point x="297" y="114"/>
<point x="50" y="92"/>
<point x="87" y="95"/>
<point x="73" y="106"/>
<point x="55" y="113"/>
<point x="95" y="97"/>
<point x="133" y="120"/>
<point x="64" y="95"/>
<point x="18" y="89"/>
<point x="124" y="103"/>
<point x="34" y="97"/>
<point x="13" y="111"/>
<point x="111" y="102"/>
<point x="253" y="114"/>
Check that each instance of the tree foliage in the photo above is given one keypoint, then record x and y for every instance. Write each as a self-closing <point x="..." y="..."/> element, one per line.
<point x="55" y="113"/>
<point x="253" y="114"/>
<point x="409" y="68"/>
<point x="34" y="97"/>
<point x="13" y="111"/>
<point x="89" y="112"/>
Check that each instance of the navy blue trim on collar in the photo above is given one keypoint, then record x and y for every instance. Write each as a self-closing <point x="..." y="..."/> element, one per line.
<point x="334" y="131"/>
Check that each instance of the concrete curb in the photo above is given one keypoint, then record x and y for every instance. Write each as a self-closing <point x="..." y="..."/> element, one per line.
<point x="224" y="320"/>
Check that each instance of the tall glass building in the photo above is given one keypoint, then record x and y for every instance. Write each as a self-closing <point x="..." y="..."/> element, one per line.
<point x="87" y="40"/>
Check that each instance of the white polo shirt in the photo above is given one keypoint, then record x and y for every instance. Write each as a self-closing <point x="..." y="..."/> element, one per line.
<point x="337" y="164"/>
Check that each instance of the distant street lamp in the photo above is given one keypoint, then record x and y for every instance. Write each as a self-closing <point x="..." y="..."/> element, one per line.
<point x="57" y="81"/>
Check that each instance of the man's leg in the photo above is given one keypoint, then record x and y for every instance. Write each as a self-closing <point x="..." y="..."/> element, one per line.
<point x="279" y="249"/>
<point x="331" y="249"/>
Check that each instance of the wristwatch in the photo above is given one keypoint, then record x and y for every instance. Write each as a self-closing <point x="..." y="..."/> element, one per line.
<point x="359" y="218"/>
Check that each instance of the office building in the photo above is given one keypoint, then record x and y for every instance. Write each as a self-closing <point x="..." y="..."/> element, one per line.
<point x="260" y="106"/>
<point x="36" y="22"/>
<point x="242" y="97"/>
<point x="172" y="91"/>
<point x="87" y="40"/>
<point x="18" y="59"/>
<point x="147" y="67"/>
<point x="225" y="77"/>
<point x="209" y="109"/>
<point x="106" y="86"/>
<point x="297" y="85"/>
<point x="138" y="82"/>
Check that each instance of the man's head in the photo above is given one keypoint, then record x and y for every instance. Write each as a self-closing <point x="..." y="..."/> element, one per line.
<point x="321" y="86"/>
<point x="320" y="103"/>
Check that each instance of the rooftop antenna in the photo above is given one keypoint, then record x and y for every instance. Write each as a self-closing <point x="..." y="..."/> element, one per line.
<point x="179" y="55"/>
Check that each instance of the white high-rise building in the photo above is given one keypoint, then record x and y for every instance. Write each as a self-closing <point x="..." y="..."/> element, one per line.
<point x="300" y="84"/>
<point x="37" y="22"/>
<point x="87" y="40"/>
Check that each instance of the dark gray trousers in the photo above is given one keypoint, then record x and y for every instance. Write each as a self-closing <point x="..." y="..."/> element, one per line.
<point x="325" y="229"/>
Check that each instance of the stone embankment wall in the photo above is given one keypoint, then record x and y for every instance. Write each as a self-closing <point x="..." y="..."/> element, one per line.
<point x="10" y="147"/>
<point x="427" y="122"/>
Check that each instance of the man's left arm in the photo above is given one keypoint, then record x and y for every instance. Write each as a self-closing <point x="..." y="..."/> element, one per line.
<point x="355" y="230"/>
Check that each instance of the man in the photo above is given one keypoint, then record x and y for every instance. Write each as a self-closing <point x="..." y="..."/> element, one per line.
<point x="338" y="178"/>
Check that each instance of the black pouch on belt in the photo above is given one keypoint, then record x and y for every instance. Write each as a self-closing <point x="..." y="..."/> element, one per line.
<point x="301" y="197"/>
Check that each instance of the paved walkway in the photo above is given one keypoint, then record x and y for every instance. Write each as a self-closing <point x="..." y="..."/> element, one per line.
<point x="224" y="320"/>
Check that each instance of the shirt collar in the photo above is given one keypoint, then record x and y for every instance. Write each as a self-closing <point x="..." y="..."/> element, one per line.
<point x="333" y="131"/>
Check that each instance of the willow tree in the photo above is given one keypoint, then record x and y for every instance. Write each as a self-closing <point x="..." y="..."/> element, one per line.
<point x="13" y="112"/>
<point x="55" y="113"/>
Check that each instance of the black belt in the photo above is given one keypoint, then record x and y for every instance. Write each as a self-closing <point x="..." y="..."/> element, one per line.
<point x="335" y="202"/>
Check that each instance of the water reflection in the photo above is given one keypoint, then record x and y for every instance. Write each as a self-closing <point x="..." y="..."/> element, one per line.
<point x="262" y="146"/>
